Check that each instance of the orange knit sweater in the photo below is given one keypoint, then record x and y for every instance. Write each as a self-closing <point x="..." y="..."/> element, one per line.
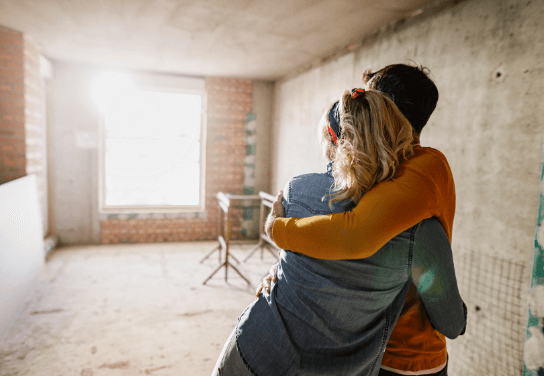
<point x="422" y="188"/>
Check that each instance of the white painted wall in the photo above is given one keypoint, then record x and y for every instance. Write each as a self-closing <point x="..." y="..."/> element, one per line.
<point x="21" y="246"/>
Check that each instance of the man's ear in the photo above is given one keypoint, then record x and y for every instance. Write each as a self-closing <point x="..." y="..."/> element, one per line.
<point x="366" y="76"/>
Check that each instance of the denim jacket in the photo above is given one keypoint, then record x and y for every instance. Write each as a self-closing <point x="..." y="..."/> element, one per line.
<point x="335" y="317"/>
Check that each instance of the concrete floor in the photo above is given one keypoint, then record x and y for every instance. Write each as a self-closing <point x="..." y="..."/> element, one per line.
<point x="130" y="309"/>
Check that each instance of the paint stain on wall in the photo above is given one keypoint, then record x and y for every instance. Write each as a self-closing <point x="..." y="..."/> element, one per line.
<point x="249" y="224"/>
<point x="533" y="350"/>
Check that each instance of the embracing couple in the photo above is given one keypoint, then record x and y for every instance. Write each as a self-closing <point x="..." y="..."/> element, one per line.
<point x="366" y="283"/>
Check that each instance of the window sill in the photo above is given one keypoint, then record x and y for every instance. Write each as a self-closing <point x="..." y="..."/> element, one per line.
<point x="153" y="210"/>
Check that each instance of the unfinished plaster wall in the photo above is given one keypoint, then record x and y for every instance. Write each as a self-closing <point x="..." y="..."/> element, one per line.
<point x="35" y="124"/>
<point x="262" y="108"/>
<point x="76" y="167"/>
<point x="485" y="57"/>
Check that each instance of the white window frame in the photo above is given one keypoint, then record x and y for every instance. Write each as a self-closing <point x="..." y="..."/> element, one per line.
<point x="164" y="83"/>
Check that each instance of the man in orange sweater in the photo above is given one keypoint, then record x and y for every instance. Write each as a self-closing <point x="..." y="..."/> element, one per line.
<point x="422" y="188"/>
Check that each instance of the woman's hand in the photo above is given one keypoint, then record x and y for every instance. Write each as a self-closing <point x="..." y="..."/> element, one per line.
<point x="266" y="283"/>
<point x="277" y="211"/>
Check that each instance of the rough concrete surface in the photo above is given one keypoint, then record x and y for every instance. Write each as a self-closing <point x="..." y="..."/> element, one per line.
<point x="486" y="59"/>
<point x="129" y="310"/>
<point x="255" y="39"/>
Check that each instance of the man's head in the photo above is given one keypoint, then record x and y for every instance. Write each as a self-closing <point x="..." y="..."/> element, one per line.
<point x="410" y="87"/>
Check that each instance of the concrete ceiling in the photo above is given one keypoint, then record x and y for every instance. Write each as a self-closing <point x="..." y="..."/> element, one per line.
<point x="256" y="39"/>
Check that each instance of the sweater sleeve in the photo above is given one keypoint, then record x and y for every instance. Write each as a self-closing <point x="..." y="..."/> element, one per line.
<point x="433" y="274"/>
<point x="417" y="192"/>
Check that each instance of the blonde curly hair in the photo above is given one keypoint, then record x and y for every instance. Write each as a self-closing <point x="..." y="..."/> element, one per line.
<point x="375" y="139"/>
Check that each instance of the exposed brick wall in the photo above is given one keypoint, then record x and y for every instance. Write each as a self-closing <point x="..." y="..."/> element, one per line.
<point x="12" y="106"/>
<point x="22" y="135"/>
<point x="34" y="124"/>
<point x="228" y="103"/>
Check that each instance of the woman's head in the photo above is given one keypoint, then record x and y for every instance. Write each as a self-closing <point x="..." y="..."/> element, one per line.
<point x="375" y="138"/>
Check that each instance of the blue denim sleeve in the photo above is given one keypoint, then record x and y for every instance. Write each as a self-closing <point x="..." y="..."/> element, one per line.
<point x="286" y="198"/>
<point x="433" y="274"/>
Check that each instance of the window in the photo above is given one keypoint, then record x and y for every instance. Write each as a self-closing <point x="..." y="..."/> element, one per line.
<point x="152" y="144"/>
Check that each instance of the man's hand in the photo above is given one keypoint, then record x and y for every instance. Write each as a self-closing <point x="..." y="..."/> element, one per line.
<point x="266" y="283"/>
<point x="277" y="211"/>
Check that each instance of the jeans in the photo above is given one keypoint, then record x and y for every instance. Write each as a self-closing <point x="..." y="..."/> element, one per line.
<point x="230" y="363"/>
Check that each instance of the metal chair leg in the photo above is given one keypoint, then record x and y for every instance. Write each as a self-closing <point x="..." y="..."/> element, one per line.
<point x="240" y="274"/>
<point x="234" y="258"/>
<point x="215" y="271"/>
<point x="259" y="245"/>
<point x="211" y="252"/>
<point x="226" y="264"/>
<point x="269" y="249"/>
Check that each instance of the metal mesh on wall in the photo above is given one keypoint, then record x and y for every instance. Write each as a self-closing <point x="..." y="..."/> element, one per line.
<point x="493" y="289"/>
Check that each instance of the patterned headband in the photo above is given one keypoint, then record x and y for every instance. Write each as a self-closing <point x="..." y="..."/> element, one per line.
<point x="356" y="92"/>
<point x="333" y="118"/>
<point x="333" y="124"/>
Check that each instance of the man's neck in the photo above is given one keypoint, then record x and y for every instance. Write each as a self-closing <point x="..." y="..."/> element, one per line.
<point x="416" y="138"/>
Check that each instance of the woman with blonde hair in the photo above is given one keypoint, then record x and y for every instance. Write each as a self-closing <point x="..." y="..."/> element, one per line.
<point x="376" y="139"/>
<point x="325" y="317"/>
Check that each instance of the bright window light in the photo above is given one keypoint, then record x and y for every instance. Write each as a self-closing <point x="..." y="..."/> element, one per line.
<point x="109" y="88"/>
<point x="151" y="146"/>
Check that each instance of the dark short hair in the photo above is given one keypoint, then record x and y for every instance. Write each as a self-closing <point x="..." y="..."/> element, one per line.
<point x="410" y="87"/>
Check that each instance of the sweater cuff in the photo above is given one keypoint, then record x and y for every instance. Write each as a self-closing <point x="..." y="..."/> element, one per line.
<point x="278" y="232"/>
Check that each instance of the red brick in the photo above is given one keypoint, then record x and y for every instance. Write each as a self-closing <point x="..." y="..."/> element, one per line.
<point x="11" y="133"/>
<point x="11" y="162"/>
